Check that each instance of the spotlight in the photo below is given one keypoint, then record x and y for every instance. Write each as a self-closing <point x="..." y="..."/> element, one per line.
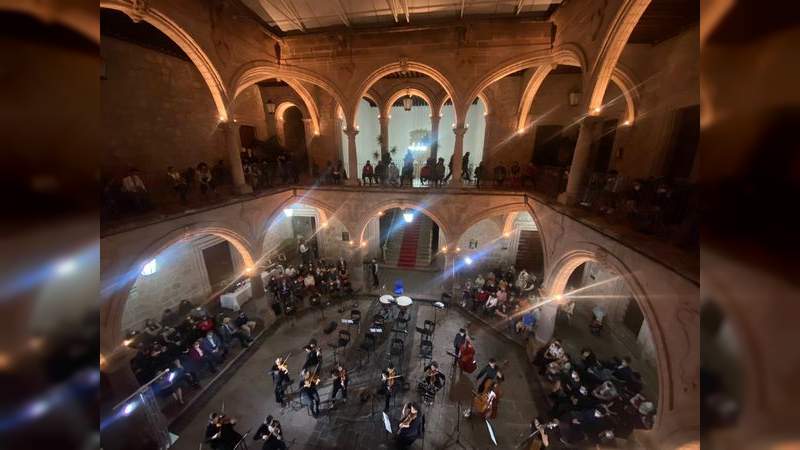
<point x="171" y="377"/>
<point x="351" y="242"/>
<point x="127" y="342"/>
<point x="506" y="234"/>
<point x="627" y="123"/>
<point x="597" y="110"/>
<point x="380" y="213"/>
<point x="129" y="409"/>
<point x="38" y="408"/>
<point x="248" y="270"/>
<point x="324" y="225"/>
<point x="363" y="243"/>
<point x="65" y="267"/>
<point x="458" y="249"/>
<point x="289" y="212"/>
<point x="520" y="130"/>
<point x="444" y="249"/>
<point x="468" y="260"/>
<point x="408" y="217"/>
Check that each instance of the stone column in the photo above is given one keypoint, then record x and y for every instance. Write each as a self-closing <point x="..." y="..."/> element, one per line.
<point x="308" y="128"/>
<point x="580" y="160"/>
<point x="234" y="145"/>
<point x="546" y="324"/>
<point x="435" y="119"/>
<point x="384" y="120"/>
<point x="458" y="153"/>
<point x="117" y="371"/>
<point x="272" y="127"/>
<point x="352" y="169"/>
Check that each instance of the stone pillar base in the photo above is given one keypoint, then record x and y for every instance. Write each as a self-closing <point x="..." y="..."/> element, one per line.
<point x="242" y="189"/>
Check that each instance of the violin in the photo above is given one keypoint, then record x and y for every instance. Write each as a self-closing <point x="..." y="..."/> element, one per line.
<point x="405" y="422"/>
<point x="392" y="374"/>
<point x="284" y="366"/>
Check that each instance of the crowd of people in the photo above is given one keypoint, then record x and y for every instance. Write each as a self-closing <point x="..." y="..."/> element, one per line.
<point x="592" y="401"/>
<point x="499" y="292"/>
<point x="651" y="205"/>
<point x="184" y="345"/>
<point x="317" y="281"/>
<point x="264" y="173"/>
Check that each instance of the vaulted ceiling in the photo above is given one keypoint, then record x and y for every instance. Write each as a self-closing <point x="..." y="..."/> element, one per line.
<point x="307" y="15"/>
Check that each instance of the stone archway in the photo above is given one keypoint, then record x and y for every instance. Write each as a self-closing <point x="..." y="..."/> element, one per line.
<point x="139" y="11"/>
<point x="555" y="286"/>
<point x="125" y="273"/>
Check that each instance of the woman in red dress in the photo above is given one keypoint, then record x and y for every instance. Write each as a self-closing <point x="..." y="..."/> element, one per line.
<point x="466" y="359"/>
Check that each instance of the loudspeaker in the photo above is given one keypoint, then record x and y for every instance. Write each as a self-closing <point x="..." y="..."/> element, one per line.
<point x="331" y="327"/>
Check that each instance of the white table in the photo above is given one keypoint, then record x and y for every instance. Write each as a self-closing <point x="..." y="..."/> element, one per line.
<point x="234" y="300"/>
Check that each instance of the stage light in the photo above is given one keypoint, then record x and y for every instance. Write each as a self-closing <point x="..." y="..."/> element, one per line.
<point x="458" y="249"/>
<point x="38" y="408"/>
<point x="363" y="243"/>
<point x="380" y="213"/>
<point x="129" y="409"/>
<point x="248" y="270"/>
<point x="351" y="242"/>
<point x="102" y="361"/>
<point x="506" y="234"/>
<point x="150" y="268"/>
<point x="627" y="123"/>
<point x="408" y="217"/>
<point x="444" y="249"/>
<point x="171" y="377"/>
<point x="597" y="110"/>
<point x="468" y="260"/>
<point x="324" y="225"/>
<point x="65" y="267"/>
<point x="127" y="342"/>
<point x="520" y="130"/>
<point x="289" y="212"/>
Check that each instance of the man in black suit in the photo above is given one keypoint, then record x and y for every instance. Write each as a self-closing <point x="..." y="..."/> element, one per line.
<point x="373" y="271"/>
<point x="458" y="341"/>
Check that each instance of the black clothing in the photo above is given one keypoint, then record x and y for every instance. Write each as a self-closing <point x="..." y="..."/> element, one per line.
<point x="407" y="436"/>
<point x="489" y="372"/>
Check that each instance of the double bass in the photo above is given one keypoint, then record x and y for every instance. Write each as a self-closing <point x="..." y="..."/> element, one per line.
<point x="466" y="358"/>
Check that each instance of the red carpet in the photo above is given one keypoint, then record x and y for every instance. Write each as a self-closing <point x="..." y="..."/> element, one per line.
<point x="408" y="248"/>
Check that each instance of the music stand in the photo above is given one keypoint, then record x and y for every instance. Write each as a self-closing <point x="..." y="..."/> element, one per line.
<point x="386" y="423"/>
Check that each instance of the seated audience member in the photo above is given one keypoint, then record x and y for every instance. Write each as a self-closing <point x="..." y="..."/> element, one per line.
<point x="214" y="347"/>
<point x="245" y="324"/>
<point x="229" y="331"/>
<point x="199" y="359"/>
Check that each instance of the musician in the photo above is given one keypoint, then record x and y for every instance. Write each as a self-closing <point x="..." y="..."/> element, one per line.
<point x="466" y="360"/>
<point x="389" y="378"/>
<point x="489" y="372"/>
<point x="309" y="393"/>
<point x="458" y="341"/>
<point x="545" y="432"/>
<point x="410" y="427"/>
<point x="280" y="378"/>
<point x="271" y="433"/>
<point x="313" y="357"/>
<point x="340" y="382"/>
<point x="487" y="405"/>
<point x="433" y="381"/>
<point x="220" y="434"/>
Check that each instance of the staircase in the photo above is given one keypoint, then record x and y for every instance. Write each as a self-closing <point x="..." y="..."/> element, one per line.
<point x="410" y="246"/>
<point x="529" y="252"/>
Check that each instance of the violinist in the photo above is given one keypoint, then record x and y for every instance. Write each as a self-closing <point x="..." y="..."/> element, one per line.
<point x="308" y="392"/>
<point x="389" y="378"/>
<point x="220" y="433"/>
<point x="433" y="377"/>
<point x="410" y="427"/>
<point x="340" y="381"/>
<point x="313" y="357"/>
<point x="280" y="378"/>
<point x="271" y="433"/>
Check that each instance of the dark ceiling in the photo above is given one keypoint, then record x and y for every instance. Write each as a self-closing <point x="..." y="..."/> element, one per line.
<point x="664" y="19"/>
<point x="117" y="25"/>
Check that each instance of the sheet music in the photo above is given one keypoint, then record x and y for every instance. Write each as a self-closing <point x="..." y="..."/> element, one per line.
<point x="386" y="423"/>
<point x="491" y="433"/>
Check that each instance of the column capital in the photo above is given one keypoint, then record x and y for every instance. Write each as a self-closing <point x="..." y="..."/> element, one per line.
<point x="352" y="132"/>
<point x="229" y="125"/>
<point x="460" y="131"/>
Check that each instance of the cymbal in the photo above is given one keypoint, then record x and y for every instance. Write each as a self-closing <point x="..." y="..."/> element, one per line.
<point x="404" y="301"/>
<point x="386" y="299"/>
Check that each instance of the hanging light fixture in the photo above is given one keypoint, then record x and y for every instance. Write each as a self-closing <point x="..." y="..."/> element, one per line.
<point x="407" y="101"/>
<point x="270" y="107"/>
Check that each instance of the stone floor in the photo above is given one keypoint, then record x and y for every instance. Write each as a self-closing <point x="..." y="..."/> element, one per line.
<point x="248" y="393"/>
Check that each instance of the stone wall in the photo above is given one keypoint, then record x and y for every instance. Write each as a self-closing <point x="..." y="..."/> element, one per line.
<point x="248" y="109"/>
<point x="156" y="112"/>
<point x="669" y="77"/>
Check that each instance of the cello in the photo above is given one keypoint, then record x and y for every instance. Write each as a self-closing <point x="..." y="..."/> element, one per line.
<point x="466" y="359"/>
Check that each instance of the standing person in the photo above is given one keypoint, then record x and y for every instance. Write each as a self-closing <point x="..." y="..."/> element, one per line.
<point x="336" y="173"/>
<point x="410" y="427"/>
<point x="367" y="174"/>
<point x="219" y="172"/>
<point x="178" y="183"/>
<point x="309" y="393"/>
<point x="408" y="172"/>
<point x="313" y="357"/>
<point x="466" y="356"/>
<point x="465" y="167"/>
<point x="280" y="379"/>
<point x="394" y="174"/>
<point x="458" y="341"/>
<point x="439" y="172"/>
<point x="530" y="174"/>
<point x="449" y="169"/>
<point x="380" y="172"/>
<point x="340" y="382"/>
<point x="304" y="254"/>
<point x="516" y="180"/>
<point x="373" y="271"/>
<point x="206" y="179"/>
<point x="479" y="174"/>
<point x="389" y="378"/>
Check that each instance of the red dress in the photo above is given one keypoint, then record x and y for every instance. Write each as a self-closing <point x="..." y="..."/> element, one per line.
<point x="467" y="359"/>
